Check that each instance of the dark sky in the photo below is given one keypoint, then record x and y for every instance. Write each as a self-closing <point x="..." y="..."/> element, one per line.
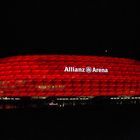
<point x="86" y="27"/>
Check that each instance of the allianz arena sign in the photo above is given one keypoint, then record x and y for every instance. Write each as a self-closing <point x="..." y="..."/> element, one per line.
<point x="69" y="75"/>
<point x="86" y="69"/>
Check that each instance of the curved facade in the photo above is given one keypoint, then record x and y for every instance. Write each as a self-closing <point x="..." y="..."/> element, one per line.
<point x="69" y="75"/>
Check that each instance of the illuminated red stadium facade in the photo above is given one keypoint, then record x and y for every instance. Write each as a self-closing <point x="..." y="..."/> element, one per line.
<point x="69" y="75"/>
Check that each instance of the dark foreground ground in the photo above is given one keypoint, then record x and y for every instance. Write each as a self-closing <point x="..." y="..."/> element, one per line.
<point x="115" y="122"/>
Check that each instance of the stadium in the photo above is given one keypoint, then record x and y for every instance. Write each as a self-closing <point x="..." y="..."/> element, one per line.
<point x="68" y="79"/>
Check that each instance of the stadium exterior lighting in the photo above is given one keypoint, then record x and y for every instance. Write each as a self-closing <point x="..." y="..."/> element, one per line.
<point x="68" y="75"/>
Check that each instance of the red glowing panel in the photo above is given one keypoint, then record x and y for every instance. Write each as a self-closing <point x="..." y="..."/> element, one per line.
<point x="65" y="75"/>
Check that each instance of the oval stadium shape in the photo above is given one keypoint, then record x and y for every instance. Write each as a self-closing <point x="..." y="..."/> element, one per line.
<point x="69" y="75"/>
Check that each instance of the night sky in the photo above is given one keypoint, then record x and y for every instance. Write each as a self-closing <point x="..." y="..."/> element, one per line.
<point x="86" y="28"/>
